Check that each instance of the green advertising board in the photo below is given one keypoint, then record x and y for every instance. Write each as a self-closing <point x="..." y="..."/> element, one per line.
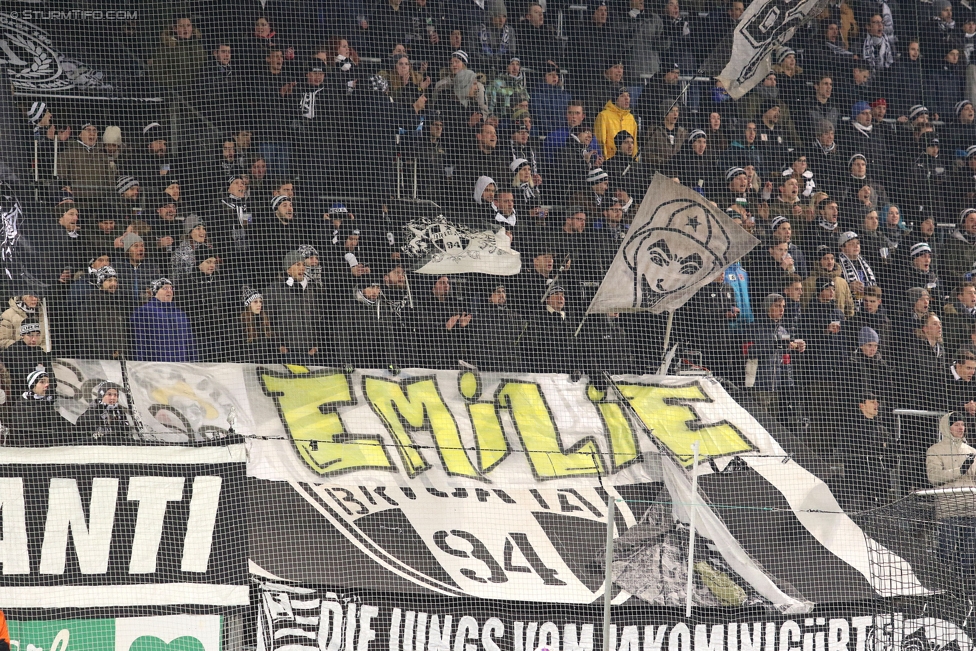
<point x="167" y="633"/>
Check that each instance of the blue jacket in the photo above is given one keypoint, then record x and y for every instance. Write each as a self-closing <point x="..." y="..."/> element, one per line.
<point x="738" y="279"/>
<point x="161" y="333"/>
<point x="135" y="281"/>
<point x="548" y="107"/>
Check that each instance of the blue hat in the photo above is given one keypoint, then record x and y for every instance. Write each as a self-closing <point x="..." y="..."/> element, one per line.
<point x="859" y="108"/>
<point x="867" y="336"/>
<point x="338" y="208"/>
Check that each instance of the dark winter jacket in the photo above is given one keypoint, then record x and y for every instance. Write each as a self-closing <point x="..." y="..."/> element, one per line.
<point x="161" y="333"/>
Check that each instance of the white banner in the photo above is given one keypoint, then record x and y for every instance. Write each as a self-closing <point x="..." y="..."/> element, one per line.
<point x="764" y="25"/>
<point x="502" y="463"/>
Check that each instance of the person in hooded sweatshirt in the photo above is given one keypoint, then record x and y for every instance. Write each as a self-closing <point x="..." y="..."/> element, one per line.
<point x="277" y="233"/>
<point x="64" y="244"/>
<point x="959" y="254"/>
<point x="195" y="245"/>
<point x="160" y="330"/>
<point x="484" y="196"/>
<point x="131" y="202"/>
<point x="105" y="420"/>
<point x="549" y="344"/>
<point x="87" y="284"/>
<point x="960" y="316"/>
<point x="917" y="270"/>
<point x="773" y="345"/>
<point x="949" y="464"/>
<point x="707" y="322"/>
<point x="614" y="118"/>
<point x="822" y="327"/>
<point x="665" y="139"/>
<point x="166" y="229"/>
<point x="574" y="161"/>
<point x="508" y="91"/>
<point x="960" y="133"/>
<point x="106" y="312"/>
<point x="496" y="39"/>
<point x="866" y="369"/>
<point x="371" y="332"/>
<point x="523" y="189"/>
<point x="347" y="264"/>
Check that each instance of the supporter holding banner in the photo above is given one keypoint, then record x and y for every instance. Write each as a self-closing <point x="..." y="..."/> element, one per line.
<point x="764" y="26"/>
<point x="677" y="244"/>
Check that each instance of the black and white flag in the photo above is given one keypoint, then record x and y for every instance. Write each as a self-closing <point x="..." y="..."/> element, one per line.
<point x="677" y="243"/>
<point x="438" y="246"/>
<point x="764" y="26"/>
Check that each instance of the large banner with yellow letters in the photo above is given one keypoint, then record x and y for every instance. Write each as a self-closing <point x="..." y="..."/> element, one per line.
<point x="496" y="486"/>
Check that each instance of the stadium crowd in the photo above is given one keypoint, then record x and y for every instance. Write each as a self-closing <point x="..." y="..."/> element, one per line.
<point x="847" y="161"/>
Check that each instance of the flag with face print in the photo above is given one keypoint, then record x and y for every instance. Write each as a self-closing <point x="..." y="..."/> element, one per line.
<point x="677" y="243"/>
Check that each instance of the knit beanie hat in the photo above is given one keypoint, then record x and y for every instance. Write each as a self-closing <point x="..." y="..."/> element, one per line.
<point x="291" y="258"/>
<point x="104" y="274"/>
<point x="129" y="239"/>
<point x="596" y="175"/>
<point x="154" y="131"/>
<point x="34" y="378"/>
<point x="867" y="336"/>
<point x="29" y="325"/>
<point x="917" y="111"/>
<point x="277" y="201"/>
<point x="770" y="299"/>
<point x="36" y="112"/>
<point x="112" y="135"/>
<point x="251" y="295"/>
<point x="308" y="251"/>
<point x="733" y="172"/>
<point x="191" y="222"/>
<point x="123" y="183"/>
<point x="916" y="293"/>
<point x="159" y="283"/>
<point x="920" y="249"/>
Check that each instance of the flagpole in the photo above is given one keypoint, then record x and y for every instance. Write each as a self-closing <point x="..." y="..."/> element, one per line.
<point x="575" y="334"/>
<point x="684" y="90"/>
<point x="667" y="330"/>
<point x="692" y="508"/>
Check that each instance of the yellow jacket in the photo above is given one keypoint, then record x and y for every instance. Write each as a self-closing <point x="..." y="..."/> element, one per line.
<point x="611" y="121"/>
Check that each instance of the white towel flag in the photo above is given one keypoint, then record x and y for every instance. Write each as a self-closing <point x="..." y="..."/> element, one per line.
<point x="678" y="243"/>
<point x="437" y="246"/>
